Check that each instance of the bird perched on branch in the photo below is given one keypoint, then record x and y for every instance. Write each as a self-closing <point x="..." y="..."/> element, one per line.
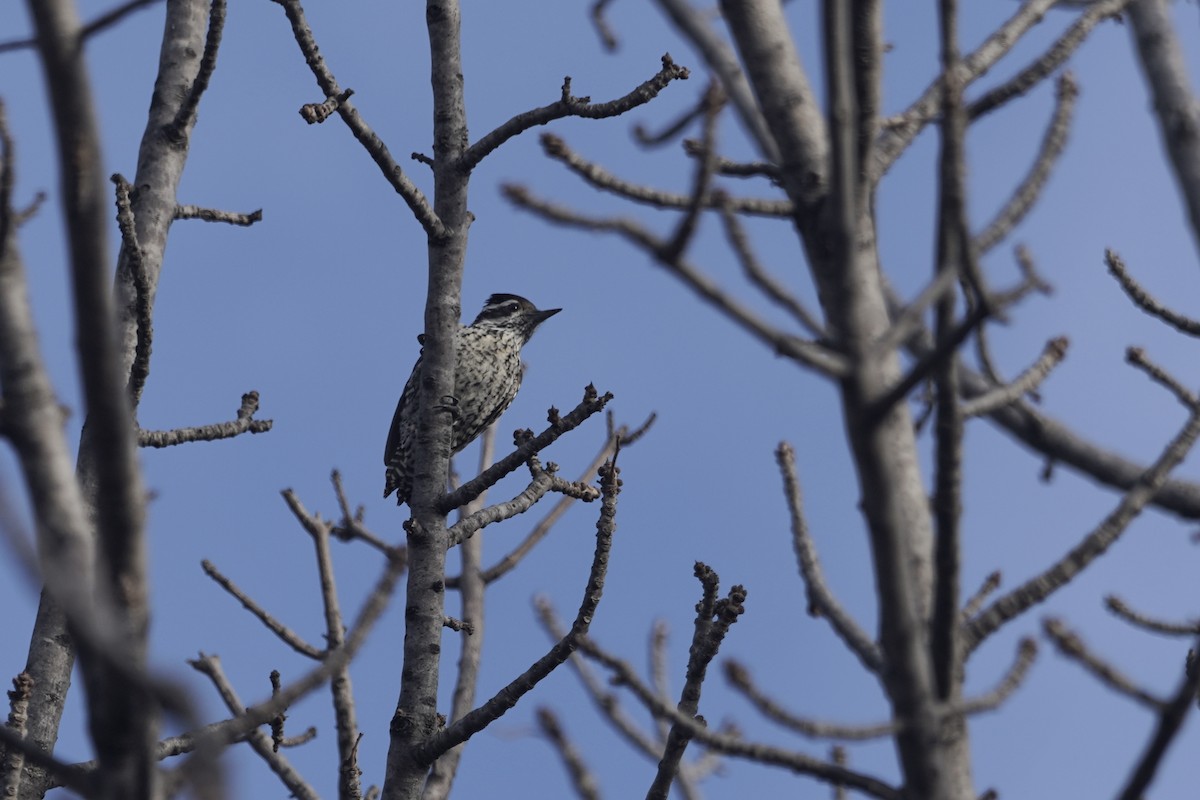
<point x="487" y="376"/>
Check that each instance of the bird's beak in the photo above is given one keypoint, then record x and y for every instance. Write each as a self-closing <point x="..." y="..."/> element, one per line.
<point x="547" y="314"/>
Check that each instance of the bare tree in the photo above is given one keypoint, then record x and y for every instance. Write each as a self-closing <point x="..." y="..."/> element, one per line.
<point x="878" y="349"/>
<point x="912" y="372"/>
<point x="91" y="525"/>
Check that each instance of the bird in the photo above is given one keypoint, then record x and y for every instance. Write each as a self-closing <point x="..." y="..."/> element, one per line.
<point x="487" y="375"/>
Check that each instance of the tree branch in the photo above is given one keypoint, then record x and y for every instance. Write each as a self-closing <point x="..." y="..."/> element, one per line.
<point x="344" y="711"/>
<point x="583" y="781"/>
<point x="784" y="98"/>
<point x="471" y="591"/>
<point x="97" y="25"/>
<point x="604" y="180"/>
<point x="1146" y="301"/>
<point x="759" y="276"/>
<point x="434" y="227"/>
<point x="1170" y="720"/>
<point x="1027" y="193"/>
<point x="1037" y="589"/>
<point x="739" y="678"/>
<point x="471" y="723"/>
<point x="1071" y="646"/>
<point x="592" y="403"/>
<point x="1118" y="607"/>
<point x="260" y="742"/>
<point x="821" y="601"/>
<point x="570" y="106"/>
<point x="281" y="631"/>
<point x="185" y="115"/>
<point x="598" y="691"/>
<point x="1018" y="387"/>
<point x="713" y="619"/>
<point x="1175" y="104"/>
<point x="694" y="24"/>
<point x="244" y="423"/>
<point x="811" y="354"/>
<point x="123" y="731"/>
<point x="799" y="763"/>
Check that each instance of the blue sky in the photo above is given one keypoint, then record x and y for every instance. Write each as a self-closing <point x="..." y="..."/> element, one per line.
<point x="318" y="308"/>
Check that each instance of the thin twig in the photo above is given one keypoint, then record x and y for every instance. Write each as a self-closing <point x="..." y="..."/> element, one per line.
<point x="185" y="115"/>
<point x="583" y="781"/>
<point x="659" y="669"/>
<point x="1092" y="546"/>
<point x="543" y="482"/>
<point x="316" y="113"/>
<point x="139" y="370"/>
<point x="30" y="211"/>
<point x="909" y="319"/>
<point x="600" y="178"/>
<point x="738" y="676"/>
<point x="837" y="755"/>
<point x="1012" y="680"/>
<point x="236" y="728"/>
<point x="1058" y="444"/>
<point x="1148" y="623"/>
<point x="1054" y="57"/>
<point x="345" y="713"/>
<point x="592" y="402"/>
<point x="713" y="619"/>
<point x="245" y="423"/>
<point x="603" y="29"/>
<point x="99" y="24"/>
<point x="975" y="602"/>
<point x="758" y="274"/>
<point x="1170" y="720"/>
<point x="821" y="602"/>
<point x="735" y="169"/>
<point x="1137" y="357"/>
<point x="260" y="742"/>
<point x="351" y="526"/>
<point x="400" y="182"/>
<point x="697" y="27"/>
<point x="217" y="215"/>
<point x="945" y="349"/>
<point x="514" y="557"/>
<point x="1146" y="301"/>
<point x="899" y="131"/>
<point x="598" y="690"/>
<point x="800" y="763"/>
<point x="1070" y="645"/>
<point x="669" y="131"/>
<point x="1054" y="140"/>
<point x="1027" y="381"/>
<point x="283" y="632"/>
<point x="811" y="354"/>
<point x="685" y="229"/>
<point x="570" y="106"/>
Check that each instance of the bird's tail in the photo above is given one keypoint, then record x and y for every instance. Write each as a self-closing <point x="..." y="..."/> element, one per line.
<point x="398" y="483"/>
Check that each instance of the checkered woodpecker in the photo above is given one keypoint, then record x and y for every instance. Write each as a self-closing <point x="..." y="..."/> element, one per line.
<point x="486" y="379"/>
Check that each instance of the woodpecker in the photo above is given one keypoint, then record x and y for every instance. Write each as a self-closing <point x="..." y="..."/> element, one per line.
<point x="487" y="375"/>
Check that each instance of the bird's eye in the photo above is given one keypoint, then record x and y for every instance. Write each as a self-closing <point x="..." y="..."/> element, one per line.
<point x="509" y="308"/>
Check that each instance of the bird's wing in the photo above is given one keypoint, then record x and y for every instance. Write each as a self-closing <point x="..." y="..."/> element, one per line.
<point x="408" y="395"/>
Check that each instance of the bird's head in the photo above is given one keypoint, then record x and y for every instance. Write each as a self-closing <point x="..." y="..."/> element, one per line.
<point x="512" y="312"/>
